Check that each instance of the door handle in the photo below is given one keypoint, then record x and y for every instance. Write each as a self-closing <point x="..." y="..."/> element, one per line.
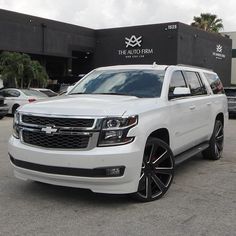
<point x="209" y="103"/>
<point x="192" y="107"/>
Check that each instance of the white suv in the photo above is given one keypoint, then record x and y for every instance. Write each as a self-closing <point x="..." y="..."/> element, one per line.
<point x="121" y="129"/>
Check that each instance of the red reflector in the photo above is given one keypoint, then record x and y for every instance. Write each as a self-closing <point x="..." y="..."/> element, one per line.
<point x="32" y="100"/>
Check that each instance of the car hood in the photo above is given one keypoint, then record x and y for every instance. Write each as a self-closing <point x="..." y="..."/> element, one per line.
<point x="90" y="105"/>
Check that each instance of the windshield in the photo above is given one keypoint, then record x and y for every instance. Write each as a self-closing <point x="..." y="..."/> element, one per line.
<point x="34" y="93"/>
<point x="230" y="92"/>
<point x="139" y="83"/>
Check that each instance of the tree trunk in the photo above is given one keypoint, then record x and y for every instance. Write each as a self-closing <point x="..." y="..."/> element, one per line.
<point x="22" y="83"/>
<point x="29" y="84"/>
<point x="16" y="83"/>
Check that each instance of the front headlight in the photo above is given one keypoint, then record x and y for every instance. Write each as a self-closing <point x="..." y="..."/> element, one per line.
<point x="115" y="130"/>
<point x="16" y="121"/>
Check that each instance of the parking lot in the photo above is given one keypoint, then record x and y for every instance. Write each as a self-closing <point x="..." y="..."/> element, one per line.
<point x="201" y="201"/>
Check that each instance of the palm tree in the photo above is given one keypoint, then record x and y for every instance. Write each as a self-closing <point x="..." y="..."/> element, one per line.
<point x="11" y="67"/>
<point x="37" y="74"/>
<point x="208" y="22"/>
<point x="20" y="70"/>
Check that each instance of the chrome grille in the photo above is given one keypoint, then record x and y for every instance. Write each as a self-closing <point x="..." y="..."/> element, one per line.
<point x="60" y="141"/>
<point x="58" y="121"/>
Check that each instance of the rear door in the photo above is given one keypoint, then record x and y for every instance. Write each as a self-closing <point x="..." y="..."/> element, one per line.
<point x="188" y="114"/>
<point x="201" y="107"/>
<point x="181" y="115"/>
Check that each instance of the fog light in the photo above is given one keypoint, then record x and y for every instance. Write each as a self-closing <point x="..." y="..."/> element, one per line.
<point x="115" y="171"/>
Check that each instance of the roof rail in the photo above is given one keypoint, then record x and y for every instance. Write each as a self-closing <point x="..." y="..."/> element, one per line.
<point x="186" y="65"/>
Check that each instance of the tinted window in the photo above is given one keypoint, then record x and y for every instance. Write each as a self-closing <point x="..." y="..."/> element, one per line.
<point x="49" y="93"/>
<point x="177" y="80"/>
<point x="11" y="93"/>
<point x="195" y="84"/>
<point x="140" y="83"/>
<point x="215" y="83"/>
<point x="33" y="93"/>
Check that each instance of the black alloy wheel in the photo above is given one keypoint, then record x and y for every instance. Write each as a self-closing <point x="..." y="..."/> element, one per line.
<point x="216" y="144"/>
<point x="157" y="171"/>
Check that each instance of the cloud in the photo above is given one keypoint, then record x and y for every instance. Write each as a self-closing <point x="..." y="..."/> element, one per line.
<point x="118" y="13"/>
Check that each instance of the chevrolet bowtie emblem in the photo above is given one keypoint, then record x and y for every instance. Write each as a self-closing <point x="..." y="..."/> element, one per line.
<point x="49" y="130"/>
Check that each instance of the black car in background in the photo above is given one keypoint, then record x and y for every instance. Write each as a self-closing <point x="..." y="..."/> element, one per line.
<point x="230" y="92"/>
<point x="3" y="108"/>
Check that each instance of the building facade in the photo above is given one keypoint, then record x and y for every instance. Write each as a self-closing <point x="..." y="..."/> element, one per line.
<point x="232" y="35"/>
<point x="69" y="50"/>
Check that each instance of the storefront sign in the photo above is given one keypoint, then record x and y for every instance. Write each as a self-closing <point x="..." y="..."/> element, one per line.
<point x="219" y="52"/>
<point x="133" y="48"/>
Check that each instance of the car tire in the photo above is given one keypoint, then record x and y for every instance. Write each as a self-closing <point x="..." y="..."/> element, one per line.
<point x="14" y="108"/>
<point x="216" y="143"/>
<point x="157" y="171"/>
<point x="1" y="117"/>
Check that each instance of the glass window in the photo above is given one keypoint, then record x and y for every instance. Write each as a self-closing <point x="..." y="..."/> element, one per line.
<point x="215" y="83"/>
<point x="204" y="90"/>
<point x="177" y="80"/>
<point x="11" y="93"/>
<point x="139" y="83"/>
<point x="195" y="84"/>
<point x="34" y="93"/>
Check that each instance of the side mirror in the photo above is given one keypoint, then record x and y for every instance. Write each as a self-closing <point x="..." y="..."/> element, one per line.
<point x="180" y="92"/>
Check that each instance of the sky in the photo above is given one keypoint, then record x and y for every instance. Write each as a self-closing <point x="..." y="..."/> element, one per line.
<point x="99" y="14"/>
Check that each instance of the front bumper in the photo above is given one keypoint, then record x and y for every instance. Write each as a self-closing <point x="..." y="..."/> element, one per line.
<point x="128" y="156"/>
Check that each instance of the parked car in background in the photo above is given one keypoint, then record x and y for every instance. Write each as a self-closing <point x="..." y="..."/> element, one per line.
<point x="3" y="108"/>
<point x="231" y="96"/>
<point x="46" y="91"/>
<point x="17" y="97"/>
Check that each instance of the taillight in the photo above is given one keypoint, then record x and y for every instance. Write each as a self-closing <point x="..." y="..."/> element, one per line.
<point x="31" y="100"/>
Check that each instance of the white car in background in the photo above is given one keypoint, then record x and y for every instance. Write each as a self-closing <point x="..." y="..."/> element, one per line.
<point x="46" y="91"/>
<point x="17" y="97"/>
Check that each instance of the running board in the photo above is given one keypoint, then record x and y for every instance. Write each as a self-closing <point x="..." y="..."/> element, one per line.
<point x="190" y="153"/>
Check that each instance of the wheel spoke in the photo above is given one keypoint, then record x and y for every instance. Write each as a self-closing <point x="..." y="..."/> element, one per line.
<point x="148" y="187"/>
<point x="152" y="153"/>
<point x="219" y="146"/>
<point x="158" y="182"/>
<point x="216" y="150"/>
<point x="219" y="130"/>
<point x="141" y="177"/>
<point x="164" y="170"/>
<point x="220" y="138"/>
<point x="161" y="158"/>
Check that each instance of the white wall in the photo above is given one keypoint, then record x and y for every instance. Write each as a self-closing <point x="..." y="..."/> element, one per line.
<point x="233" y="68"/>
<point x="233" y="71"/>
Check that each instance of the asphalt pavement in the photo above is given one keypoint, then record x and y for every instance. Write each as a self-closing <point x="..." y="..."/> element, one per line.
<point x="201" y="201"/>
